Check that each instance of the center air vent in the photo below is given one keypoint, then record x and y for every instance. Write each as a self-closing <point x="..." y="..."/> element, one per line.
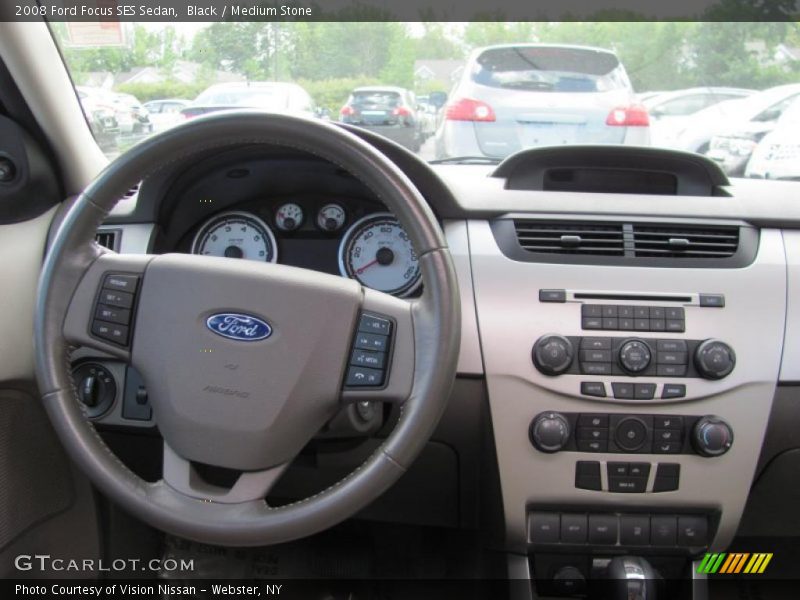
<point x="604" y="239"/>
<point x="668" y="241"/>
<point x="635" y="244"/>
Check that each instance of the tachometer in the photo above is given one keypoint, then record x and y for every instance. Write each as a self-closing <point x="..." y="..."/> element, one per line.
<point x="377" y="252"/>
<point x="236" y="235"/>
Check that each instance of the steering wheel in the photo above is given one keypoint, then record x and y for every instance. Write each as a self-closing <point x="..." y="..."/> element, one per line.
<point x="244" y="361"/>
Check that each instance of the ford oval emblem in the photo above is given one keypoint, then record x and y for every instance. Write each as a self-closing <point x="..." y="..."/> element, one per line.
<point x="236" y="326"/>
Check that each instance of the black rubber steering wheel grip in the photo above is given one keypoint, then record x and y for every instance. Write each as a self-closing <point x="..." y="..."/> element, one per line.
<point x="247" y="406"/>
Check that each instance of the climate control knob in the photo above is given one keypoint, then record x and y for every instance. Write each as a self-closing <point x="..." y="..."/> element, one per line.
<point x="714" y="359"/>
<point x="552" y="354"/>
<point x="712" y="436"/>
<point x="635" y="356"/>
<point x="549" y="432"/>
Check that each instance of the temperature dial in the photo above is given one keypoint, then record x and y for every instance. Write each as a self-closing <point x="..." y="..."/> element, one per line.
<point x="331" y="217"/>
<point x="711" y="436"/>
<point x="289" y="217"/>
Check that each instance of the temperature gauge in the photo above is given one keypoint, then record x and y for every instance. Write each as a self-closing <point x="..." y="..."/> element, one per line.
<point x="289" y="217"/>
<point x="331" y="217"/>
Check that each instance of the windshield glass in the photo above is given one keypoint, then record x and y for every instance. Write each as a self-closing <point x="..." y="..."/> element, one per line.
<point x="461" y="93"/>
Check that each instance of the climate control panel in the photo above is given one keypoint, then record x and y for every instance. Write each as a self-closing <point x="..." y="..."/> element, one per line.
<point x="708" y="435"/>
<point x="554" y="355"/>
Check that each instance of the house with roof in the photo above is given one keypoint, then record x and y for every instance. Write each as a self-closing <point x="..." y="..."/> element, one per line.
<point x="443" y="71"/>
<point x="183" y="70"/>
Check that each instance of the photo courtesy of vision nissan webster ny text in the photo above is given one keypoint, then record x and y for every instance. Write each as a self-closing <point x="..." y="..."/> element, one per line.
<point x="162" y="589"/>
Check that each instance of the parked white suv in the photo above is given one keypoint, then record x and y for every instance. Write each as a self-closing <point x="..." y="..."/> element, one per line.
<point x="512" y="97"/>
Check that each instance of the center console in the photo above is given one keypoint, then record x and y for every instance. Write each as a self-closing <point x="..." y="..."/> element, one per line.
<point x="629" y="398"/>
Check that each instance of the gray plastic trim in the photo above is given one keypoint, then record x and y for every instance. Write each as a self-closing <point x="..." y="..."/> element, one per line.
<point x="251" y="486"/>
<point x="790" y="364"/>
<point x="511" y="319"/>
<point x="758" y="202"/>
<point x="699" y="583"/>
<point x="470" y="360"/>
<point x="519" y="568"/>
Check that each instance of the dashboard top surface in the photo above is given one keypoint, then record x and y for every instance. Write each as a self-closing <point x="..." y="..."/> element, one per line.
<point x="469" y="191"/>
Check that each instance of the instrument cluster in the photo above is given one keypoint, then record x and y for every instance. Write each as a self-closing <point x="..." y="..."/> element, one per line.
<point x="368" y="246"/>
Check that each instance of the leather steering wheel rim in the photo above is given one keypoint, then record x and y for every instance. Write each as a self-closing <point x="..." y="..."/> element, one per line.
<point x="73" y="259"/>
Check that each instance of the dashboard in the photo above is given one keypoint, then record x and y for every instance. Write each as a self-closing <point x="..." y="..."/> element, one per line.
<point x="627" y="347"/>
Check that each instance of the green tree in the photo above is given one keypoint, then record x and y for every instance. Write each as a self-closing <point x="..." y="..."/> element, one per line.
<point x="343" y="49"/>
<point x="485" y="33"/>
<point x="237" y="47"/>
<point x="435" y="43"/>
<point x="736" y="54"/>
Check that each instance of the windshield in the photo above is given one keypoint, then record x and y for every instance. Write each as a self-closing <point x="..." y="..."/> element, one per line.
<point x="461" y="93"/>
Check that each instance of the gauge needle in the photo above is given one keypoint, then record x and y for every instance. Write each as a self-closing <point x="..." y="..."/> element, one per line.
<point x="366" y="266"/>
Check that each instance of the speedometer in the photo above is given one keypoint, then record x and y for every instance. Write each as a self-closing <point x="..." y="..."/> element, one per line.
<point x="236" y="235"/>
<point x="377" y="252"/>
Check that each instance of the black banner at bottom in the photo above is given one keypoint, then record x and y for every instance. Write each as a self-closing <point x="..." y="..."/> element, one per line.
<point x="317" y="589"/>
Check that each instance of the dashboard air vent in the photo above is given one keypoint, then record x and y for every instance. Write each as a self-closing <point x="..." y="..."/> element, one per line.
<point x="570" y="237"/>
<point x="108" y="238"/>
<point x="131" y="192"/>
<point x="677" y="241"/>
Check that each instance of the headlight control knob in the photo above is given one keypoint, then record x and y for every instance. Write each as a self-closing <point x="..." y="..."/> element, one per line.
<point x="96" y="387"/>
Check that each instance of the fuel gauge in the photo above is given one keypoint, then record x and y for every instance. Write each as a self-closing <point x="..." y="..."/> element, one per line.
<point x="331" y="217"/>
<point x="289" y="217"/>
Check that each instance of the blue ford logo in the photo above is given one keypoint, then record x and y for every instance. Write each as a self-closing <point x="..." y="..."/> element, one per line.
<point x="236" y="326"/>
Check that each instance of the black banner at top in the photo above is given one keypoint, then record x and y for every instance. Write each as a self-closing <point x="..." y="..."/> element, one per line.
<point x="398" y="10"/>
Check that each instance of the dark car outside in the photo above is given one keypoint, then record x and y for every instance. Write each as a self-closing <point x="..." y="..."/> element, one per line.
<point x="386" y="110"/>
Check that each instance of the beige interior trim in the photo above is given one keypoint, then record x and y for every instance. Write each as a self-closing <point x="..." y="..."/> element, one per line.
<point x="23" y="245"/>
<point x="33" y="60"/>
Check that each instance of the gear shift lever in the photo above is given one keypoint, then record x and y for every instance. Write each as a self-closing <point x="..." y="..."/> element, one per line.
<point x="632" y="578"/>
